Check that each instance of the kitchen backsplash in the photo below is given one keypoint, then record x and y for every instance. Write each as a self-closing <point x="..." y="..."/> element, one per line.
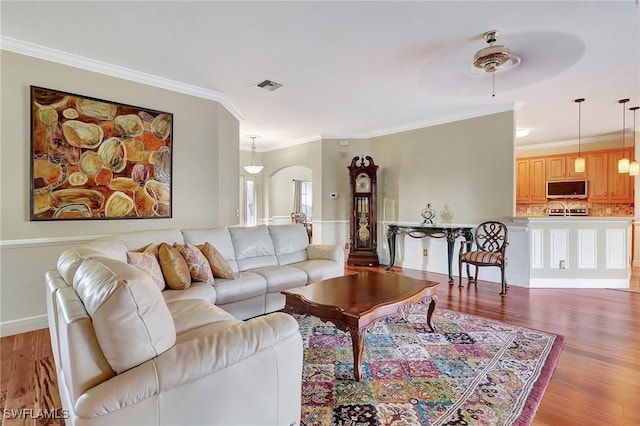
<point x="613" y="209"/>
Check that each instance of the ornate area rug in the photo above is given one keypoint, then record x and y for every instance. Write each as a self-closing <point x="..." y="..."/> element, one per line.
<point x="472" y="371"/>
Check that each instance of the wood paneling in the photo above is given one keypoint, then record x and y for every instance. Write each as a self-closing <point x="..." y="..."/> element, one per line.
<point x="596" y="380"/>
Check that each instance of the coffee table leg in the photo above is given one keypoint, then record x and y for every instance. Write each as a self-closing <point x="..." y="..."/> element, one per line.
<point x="357" y="343"/>
<point x="432" y="307"/>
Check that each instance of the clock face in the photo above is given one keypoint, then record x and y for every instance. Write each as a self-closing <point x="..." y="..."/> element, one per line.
<point x="363" y="183"/>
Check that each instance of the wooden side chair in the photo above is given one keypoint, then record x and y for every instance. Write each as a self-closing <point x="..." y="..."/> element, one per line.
<point x="300" y="217"/>
<point x="491" y="244"/>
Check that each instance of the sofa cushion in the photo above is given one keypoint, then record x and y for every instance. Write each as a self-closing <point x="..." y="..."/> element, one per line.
<point x="138" y="239"/>
<point x="197" y="290"/>
<point x="217" y="237"/>
<point x="174" y="267"/>
<point x="253" y="247"/>
<point x="71" y="259"/>
<point x="130" y="318"/>
<point x="192" y="313"/>
<point x="111" y="248"/>
<point x="219" y="266"/>
<point x="289" y="242"/>
<point x="319" y="269"/>
<point x="282" y="277"/>
<point x="326" y="252"/>
<point x="245" y="286"/>
<point x="147" y="261"/>
<point x="197" y="263"/>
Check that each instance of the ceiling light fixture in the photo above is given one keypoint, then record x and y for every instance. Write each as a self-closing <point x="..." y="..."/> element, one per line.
<point x="492" y="57"/>
<point x="634" y="166"/>
<point x="253" y="166"/>
<point x="521" y="133"/>
<point x="623" y="163"/>
<point x="579" y="164"/>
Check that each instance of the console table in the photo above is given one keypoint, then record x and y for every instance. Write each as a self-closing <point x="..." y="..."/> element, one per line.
<point x="450" y="232"/>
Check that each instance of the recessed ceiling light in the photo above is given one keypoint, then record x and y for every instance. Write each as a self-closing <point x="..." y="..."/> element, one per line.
<point x="521" y="133"/>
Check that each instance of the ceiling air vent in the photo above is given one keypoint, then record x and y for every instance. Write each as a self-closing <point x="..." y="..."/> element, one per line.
<point x="269" y="85"/>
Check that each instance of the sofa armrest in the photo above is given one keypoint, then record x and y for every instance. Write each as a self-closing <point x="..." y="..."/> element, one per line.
<point x="325" y="252"/>
<point x="197" y="354"/>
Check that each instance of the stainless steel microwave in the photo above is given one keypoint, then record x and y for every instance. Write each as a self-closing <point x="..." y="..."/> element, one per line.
<point x="567" y="189"/>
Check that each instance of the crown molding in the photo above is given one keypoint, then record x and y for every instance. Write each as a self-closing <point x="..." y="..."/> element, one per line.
<point x="326" y="136"/>
<point x="29" y="49"/>
<point x="571" y="142"/>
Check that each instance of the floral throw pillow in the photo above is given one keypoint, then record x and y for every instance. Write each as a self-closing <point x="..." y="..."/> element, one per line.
<point x="147" y="261"/>
<point x="199" y="267"/>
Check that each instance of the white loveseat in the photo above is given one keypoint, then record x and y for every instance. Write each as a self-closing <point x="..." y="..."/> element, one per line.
<point x="128" y="353"/>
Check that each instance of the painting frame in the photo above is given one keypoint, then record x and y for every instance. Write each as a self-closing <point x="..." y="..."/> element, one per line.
<point x="94" y="159"/>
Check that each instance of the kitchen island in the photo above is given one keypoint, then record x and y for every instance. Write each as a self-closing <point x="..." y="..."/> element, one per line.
<point x="578" y="252"/>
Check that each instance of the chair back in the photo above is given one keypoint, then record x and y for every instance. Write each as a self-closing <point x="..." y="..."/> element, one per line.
<point x="491" y="236"/>
<point x="299" y="217"/>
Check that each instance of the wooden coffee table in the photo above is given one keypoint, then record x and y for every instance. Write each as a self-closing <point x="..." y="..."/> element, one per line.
<point x="355" y="302"/>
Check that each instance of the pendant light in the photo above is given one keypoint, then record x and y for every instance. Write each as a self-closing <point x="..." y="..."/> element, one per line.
<point x="623" y="163"/>
<point x="634" y="167"/>
<point x="253" y="166"/>
<point x="578" y="164"/>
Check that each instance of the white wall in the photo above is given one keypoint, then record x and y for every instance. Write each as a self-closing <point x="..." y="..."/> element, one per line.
<point x="282" y="190"/>
<point x="205" y="171"/>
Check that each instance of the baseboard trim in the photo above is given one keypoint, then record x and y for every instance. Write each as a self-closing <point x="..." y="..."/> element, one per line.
<point x="579" y="283"/>
<point x="24" y="325"/>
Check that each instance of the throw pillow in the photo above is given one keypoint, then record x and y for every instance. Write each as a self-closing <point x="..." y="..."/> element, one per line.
<point x="219" y="266"/>
<point x="197" y="263"/>
<point x="147" y="261"/>
<point x="174" y="267"/>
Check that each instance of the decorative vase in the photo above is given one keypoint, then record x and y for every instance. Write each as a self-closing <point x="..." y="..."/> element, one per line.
<point x="427" y="214"/>
<point x="446" y="215"/>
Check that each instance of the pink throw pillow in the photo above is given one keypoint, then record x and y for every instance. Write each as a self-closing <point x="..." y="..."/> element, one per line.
<point x="147" y="261"/>
<point x="198" y="265"/>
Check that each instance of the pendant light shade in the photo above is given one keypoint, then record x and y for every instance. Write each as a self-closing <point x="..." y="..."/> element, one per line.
<point x="634" y="167"/>
<point x="579" y="163"/>
<point x="623" y="163"/>
<point x="253" y="166"/>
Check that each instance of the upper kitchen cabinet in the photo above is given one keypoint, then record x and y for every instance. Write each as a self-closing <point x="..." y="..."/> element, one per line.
<point x="606" y="185"/>
<point x="560" y="167"/>
<point x="530" y="180"/>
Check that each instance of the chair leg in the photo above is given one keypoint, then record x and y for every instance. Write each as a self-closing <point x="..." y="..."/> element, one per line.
<point x="459" y="273"/>
<point x="503" y="282"/>
<point x="475" y="276"/>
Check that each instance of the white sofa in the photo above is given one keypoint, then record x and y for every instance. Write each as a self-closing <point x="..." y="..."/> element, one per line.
<point x="128" y="353"/>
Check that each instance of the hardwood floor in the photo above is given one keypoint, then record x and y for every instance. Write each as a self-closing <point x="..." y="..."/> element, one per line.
<point x="596" y="380"/>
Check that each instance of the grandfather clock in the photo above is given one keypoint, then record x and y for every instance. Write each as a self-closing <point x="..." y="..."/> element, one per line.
<point x="363" y="241"/>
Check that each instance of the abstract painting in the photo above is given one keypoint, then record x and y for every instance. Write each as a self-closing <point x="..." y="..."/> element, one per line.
<point x="96" y="159"/>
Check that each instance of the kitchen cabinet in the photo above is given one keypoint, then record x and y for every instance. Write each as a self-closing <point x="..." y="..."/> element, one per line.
<point x="606" y="185"/>
<point x="531" y="180"/>
<point x="555" y="167"/>
<point x="561" y="167"/>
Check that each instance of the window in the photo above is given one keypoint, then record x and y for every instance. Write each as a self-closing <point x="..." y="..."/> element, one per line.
<point x="303" y="197"/>
<point x="306" y="191"/>
<point x="248" y="201"/>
